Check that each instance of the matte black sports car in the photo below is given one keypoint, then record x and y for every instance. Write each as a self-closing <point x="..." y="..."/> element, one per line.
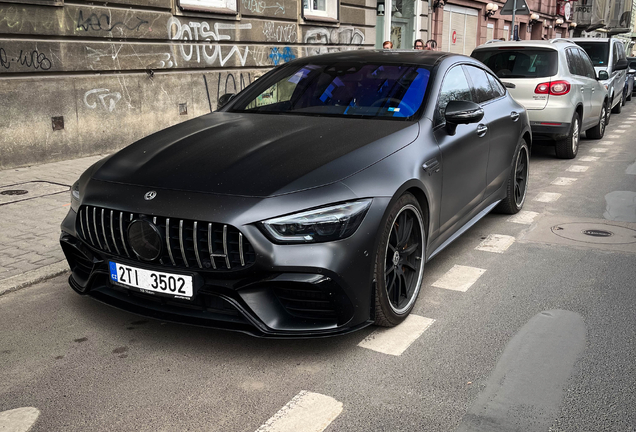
<point x="309" y="204"/>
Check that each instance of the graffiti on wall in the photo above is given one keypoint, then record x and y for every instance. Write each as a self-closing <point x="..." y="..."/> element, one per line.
<point x="281" y="55"/>
<point x="279" y="33"/>
<point x="107" y="98"/>
<point x="332" y="36"/>
<point x="200" y="32"/>
<point x="102" y="22"/>
<point x="259" y="6"/>
<point x="29" y="59"/>
<point x="232" y="82"/>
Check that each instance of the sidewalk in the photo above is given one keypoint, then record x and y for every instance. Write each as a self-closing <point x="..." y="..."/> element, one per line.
<point x="30" y="222"/>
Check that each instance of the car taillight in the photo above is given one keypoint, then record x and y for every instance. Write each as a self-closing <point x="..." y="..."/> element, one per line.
<point x="555" y="88"/>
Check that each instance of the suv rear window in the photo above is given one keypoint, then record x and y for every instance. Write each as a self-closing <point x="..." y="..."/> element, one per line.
<point x="519" y="63"/>
<point x="598" y="52"/>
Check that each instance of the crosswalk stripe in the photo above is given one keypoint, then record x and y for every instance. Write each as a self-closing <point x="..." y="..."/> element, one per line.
<point x="523" y="217"/>
<point x="496" y="243"/>
<point x="459" y="278"/>
<point x="607" y="142"/>
<point x="589" y="158"/>
<point x="306" y="412"/>
<point x="395" y="340"/>
<point x="563" y="181"/>
<point x="598" y="150"/>
<point x="18" y="419"/>
<point x="547" y="197"/>
<point x="577" y="168"/>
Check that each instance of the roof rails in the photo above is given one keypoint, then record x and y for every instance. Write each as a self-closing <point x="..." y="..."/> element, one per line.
<point x="555" y="40"/>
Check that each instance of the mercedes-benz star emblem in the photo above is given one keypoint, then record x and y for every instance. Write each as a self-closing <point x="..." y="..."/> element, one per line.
<point x="150" y="195"/>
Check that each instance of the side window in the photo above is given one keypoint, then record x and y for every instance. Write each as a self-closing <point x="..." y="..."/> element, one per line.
<point x="497" y="87"/>
<point x="586" y="63"/>
<point x="571" y="57"/>
<point x="482" y="92"/>
<point x="454" y="87"/>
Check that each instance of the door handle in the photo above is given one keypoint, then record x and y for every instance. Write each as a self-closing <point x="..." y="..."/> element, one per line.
<point x="481" y="130"/>
<point x="514" y="116"/>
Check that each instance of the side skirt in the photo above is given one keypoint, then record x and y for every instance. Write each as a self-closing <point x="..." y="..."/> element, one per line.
<point x="464" y="228"/>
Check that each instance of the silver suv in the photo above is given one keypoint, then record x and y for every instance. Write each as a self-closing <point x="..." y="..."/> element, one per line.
<point x="608" y="55"/>
<point x="556" y="82"/>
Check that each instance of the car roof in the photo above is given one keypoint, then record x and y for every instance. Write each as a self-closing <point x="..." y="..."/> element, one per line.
<point x="423" y="57"/>
<point x="593" y="40"/>
<point x="554" y="44"/>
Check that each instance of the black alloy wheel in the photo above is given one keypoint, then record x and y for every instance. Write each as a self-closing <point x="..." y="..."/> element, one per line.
<point x="517" y="181"/>
<point x="399" y="262"/>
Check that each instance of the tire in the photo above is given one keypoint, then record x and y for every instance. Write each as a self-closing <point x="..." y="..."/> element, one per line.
<point x="399" y="262"/>
<point x="568" y="148"/>
<point x="598" y="131"/>
<point x="619" y="106"/>
<point x="517" y="186"/>
<point x="629" y="96"/>
<point x="624" y="98"/>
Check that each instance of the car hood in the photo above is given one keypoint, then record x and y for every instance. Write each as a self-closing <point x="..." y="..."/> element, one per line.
<point x="256" y="154"/>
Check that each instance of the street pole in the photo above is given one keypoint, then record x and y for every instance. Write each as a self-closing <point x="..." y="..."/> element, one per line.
<point x="514" y="10"/>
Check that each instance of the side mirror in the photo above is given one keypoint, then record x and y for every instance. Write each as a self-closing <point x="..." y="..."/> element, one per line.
<point x="621" y="64"/>
<point x="631" y="71"/>
<point x="223" y="100"/>
<point x="603" y="75"/>
<point x="461" y="112"/>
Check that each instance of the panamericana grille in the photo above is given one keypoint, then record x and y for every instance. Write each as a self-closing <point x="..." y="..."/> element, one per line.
<point x="187" y="243"/>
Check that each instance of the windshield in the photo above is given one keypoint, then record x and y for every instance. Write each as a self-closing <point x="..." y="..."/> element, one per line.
<point x="598" y="52"/>
<point x="339" y="89"/>
<point x="519" y="63"/>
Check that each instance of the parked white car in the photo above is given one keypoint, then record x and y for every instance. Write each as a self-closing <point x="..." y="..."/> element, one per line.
<point x="556" y="82"/>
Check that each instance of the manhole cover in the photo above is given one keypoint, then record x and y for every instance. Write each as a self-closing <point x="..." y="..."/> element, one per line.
<point x="598" y="233"/>
<point x="14" y="192"/>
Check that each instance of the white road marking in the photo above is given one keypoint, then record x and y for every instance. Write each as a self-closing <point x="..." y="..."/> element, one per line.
<point x="612" y="136"/>
<point x="563" y="181"/>
<point x="395" y="340"/>
<point x="547" y="197"/>
<point x="619" y="131"/>
<point x="496" y="243"/>
<point x="598" y="150"/>
<point x="607" y="142"/>
<point x="577" y="168"/>
<point x="589" y="158"/>
<point x="523" y="217"/>
<point x="459" y="278"/>
<point x="306" y="412"/>
<point x="19" y="419"/>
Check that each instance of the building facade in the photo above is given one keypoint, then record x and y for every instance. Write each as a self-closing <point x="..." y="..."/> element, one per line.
<point x="86" y="78"/>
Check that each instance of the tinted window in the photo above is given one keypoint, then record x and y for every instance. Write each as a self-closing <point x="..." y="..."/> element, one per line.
<point x="573" y="62"/>
<point x="496" y="86"/>
<point x="519" y="62"/>
<point x="586" y="64"/>
<point x="455" y="87"/>
<point x="598" y="52"/>
<point x="482" y="91"/>
<point x="342" y="89"/>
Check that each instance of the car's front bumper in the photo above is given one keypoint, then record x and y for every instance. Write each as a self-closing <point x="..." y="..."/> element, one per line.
<point x="303" y="290"/>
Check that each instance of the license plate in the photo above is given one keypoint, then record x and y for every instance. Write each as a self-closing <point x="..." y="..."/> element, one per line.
<point x="151" y="281"/>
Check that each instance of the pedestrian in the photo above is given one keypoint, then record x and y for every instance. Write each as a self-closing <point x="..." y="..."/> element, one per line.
<point x="387" y="45"/>
<point x="419" y="44"/>
<point x="431" y="45"/>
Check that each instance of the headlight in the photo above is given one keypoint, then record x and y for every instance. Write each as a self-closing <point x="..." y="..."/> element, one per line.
<point x="75" y="196"/>
<point x="319" y="225"/>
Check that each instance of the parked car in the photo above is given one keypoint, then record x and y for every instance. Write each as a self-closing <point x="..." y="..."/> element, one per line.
<point x="556" y="82"/>
<point x="308" y="204"/>
<point x="631" y="74"/>
<point x="608" y="55"/>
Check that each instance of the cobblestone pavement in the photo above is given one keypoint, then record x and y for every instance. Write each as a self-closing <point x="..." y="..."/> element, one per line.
<point x="30" y="227"/>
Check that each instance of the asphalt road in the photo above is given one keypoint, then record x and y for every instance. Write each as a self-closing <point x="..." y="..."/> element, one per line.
<point x="543" y="340"/>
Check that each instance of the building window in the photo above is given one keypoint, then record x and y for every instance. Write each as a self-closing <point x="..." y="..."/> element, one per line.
<point x="218" y="6"/>
<point x="322" y="10"/>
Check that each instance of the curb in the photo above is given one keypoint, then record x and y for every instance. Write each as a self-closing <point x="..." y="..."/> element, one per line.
<point x="24" y="280"/>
